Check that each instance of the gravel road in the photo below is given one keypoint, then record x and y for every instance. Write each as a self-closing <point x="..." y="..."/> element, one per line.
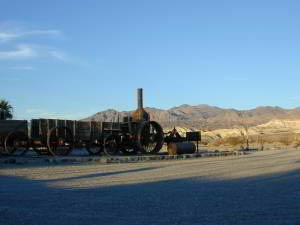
<point x="260" y="188"/>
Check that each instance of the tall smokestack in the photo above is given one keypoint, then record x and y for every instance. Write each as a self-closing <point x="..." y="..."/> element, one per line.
<point x="140" y="98"/>
<point x="140" y="114"/>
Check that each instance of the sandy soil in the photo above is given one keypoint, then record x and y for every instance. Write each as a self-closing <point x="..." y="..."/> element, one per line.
<point x="260" y="188"/>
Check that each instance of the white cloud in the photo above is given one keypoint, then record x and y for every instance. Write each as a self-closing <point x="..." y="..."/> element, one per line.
<point x="26" y="51"/>
<point x="10" y="31"/>
<point x="21" y="52"/>
<point x="13" y="34"/>
<point x="6" y="36"/>
<point x="40" y="113"/>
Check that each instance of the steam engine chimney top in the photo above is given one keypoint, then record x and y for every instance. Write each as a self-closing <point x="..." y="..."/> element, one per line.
<point x="140" y="98"/>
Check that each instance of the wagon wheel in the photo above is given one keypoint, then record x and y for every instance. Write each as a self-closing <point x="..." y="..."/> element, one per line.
<point x="58" y="144"/>
<point x="111" y="145"/>
<point x="150" y="137"/>
<point x="94" y="147"/>
<point x="16" y="141"/>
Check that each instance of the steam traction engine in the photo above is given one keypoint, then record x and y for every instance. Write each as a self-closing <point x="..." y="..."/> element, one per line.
<point x="135" y="133"/>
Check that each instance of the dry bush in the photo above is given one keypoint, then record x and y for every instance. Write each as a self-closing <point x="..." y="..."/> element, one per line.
<point x="231" y="141"/>
<point x="296" y="144"/>
<point x="204" y="142"/>
<point x="261" y="141"/>
<point x="283" y="138"/>
<point x="218" y="142"/>
<point x="284" y="141"/>
<point x="234" y="141"/>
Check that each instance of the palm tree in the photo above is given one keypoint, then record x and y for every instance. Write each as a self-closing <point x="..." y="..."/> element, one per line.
<point x="6" y="110"/>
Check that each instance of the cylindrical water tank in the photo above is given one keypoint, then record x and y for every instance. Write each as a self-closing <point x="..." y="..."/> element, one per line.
<point x="181" y="148"/>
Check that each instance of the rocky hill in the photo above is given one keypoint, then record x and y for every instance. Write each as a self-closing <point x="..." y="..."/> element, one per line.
<point x="206" y="117"/>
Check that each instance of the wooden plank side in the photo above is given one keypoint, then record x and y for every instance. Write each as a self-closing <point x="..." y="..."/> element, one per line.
<point x="83" y="130"/>
<point x="111" y="125"/>
<point x="35" y="128"/>
<point x="96" y="129"/>
<point x="70" y="124"/>
<point x="52" y="123"/>
<point x="44" y="127"/>
<point x="7" y="126"/>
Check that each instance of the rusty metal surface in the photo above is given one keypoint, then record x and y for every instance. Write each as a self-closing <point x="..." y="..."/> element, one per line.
<point x="180" y="148"/>
<point x="140" y="114"/>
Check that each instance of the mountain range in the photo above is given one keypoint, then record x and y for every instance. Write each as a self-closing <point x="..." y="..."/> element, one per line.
<point x="206" y="117"/>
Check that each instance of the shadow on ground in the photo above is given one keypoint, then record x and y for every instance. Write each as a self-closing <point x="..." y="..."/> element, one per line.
<point x="264" y="200"/>
<point x="99" y="175"/>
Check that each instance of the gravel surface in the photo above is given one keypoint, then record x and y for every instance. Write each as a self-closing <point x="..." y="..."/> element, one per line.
<point x="260" y="188"/>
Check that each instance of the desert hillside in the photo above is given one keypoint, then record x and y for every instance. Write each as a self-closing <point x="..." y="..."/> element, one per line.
<point x="275" y="134"/>
<point x="262" y="127"/>
<point x="206" y="117"/>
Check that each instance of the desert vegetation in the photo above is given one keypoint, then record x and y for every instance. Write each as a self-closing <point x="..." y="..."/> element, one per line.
<point x="260" y="141"/>
<point x="276" y="134"/>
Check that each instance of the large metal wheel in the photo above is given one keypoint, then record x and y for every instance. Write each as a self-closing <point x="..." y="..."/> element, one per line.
<point x="16" y="142"/>
<point x="111" y="145"/>
<point x="150" y="137"/>
<point x="94" y="147"/>
<point x="59" y="141"/>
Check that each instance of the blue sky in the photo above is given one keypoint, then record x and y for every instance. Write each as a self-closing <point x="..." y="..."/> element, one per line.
<point x="70" y="59"/>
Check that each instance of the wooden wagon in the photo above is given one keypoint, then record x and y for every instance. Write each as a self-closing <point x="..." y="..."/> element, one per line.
<point x="58" y="137"/>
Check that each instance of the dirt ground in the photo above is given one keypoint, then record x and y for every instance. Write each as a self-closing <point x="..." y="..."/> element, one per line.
<point x="259" y="188"/>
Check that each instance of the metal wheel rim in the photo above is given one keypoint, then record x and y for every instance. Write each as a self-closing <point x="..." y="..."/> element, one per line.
<point x="110" y="145"/>
<point x="12" y="146"/>
<point x="150" y="138"/>
<point x="59" y="146"/>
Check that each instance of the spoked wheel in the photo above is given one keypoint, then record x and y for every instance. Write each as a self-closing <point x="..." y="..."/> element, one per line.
<point x="150" y="137"/>
<point x="94" y="147"/>
<point x="16" y="143"/>
<point x="59" y="141"/>
<point x="111" y="145"/>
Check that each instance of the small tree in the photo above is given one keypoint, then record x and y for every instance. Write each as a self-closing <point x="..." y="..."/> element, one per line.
<point x="6" y="110"/>
<point x="260" y="140"/>
<point x="244" y="130"/>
